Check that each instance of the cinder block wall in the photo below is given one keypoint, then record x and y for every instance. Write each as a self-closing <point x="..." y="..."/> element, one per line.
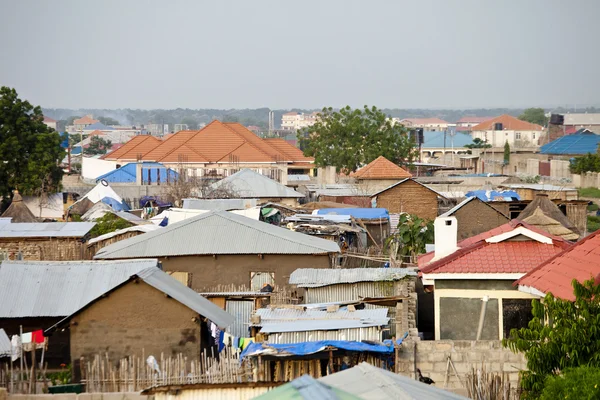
<point x="432" y="360"/>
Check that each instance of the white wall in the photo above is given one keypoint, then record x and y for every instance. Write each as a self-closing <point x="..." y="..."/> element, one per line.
<point x="91" y="168"/>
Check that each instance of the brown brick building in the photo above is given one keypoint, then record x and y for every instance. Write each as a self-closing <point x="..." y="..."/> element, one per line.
<point x="409" y="196"/>
<point x="475" y="216"/>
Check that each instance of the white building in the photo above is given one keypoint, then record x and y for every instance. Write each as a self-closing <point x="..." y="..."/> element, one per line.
<point x="506" y="128"/>
<point x="294" y="121"/>
<point x="50" y="123"/>
<point x="428" y="124"/>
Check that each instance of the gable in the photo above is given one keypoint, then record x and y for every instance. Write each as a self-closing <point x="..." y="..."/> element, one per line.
<point x="407" y="189"/>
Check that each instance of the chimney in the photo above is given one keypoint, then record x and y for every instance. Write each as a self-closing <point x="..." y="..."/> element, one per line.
<point x="446" y="236"/>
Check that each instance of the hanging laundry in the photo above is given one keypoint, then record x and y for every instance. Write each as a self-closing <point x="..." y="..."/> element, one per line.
<point x="247" y="342"/>
<point x="241" y="343"/>
<point x="221" y="343"/>
<point x="15" y="344"/>
<point x="227" y="339"/>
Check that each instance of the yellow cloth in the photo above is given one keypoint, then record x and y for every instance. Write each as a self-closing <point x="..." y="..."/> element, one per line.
<point x="247" y="342"/>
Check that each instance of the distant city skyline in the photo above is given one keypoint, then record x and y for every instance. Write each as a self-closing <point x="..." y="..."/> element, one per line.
<point x="430" y="54"/>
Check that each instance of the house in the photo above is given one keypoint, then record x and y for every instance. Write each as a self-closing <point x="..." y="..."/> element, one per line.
<point x="97" y="127"/>
<point x="579" y="262"/>
<point x="528" y="191"/>
<point x="397" y="285"/>
<point x="577" y="144"/>
<point x="345" y="194"/>
<point x="148" y="313"/>
<point x="18" y="211"/>
<point x="541" y="204"/>
<point x="428" y="124"/>
<point x="589" y="121"/>
<point x="475" y="216"/>
<point x="218" y="204"/>
<point x="50" y="123"/>
<point x="82" y="123"/>
<point x="99" y="242"/>
<point x="293" y="121"/>
<point x="306" y="387"/>
<point x="409" y="196"/>
<point x="372" y="383"/>
<point x="506" y="128"/>
<point x="218" y="150"/>
<point x="439" y="145"/>
<point x="376" y="221"/>
<point x="144" y="173"/>
<point x="477" y="274"/>
<point x="248" y="184"/>
<point x="38" y="294"/>
<point x="43" y="241"/>
<point x="379" y="174"/>
<point x="468" y="122"/>
<point x="220" y="247"/>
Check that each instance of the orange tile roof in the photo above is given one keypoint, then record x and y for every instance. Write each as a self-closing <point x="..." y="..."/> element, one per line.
<point x="48" y="119"/>
<point x="381" y="168"/>
<point x="291" y="152"/>
<point x="138" y="146"/>
<point x="169" y="149"/>
<point x="87" y="120"/>
<point x="508" y="123"/>
<point x="251" y="137"/>
<point x="96" y="133"/>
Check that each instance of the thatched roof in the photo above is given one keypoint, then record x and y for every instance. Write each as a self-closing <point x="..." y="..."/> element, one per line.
<point x="549" y="209"/>
<point x="18" y="211"/>
<point x="552" y="226"/>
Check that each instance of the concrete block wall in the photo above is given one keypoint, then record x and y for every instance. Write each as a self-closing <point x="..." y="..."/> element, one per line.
<point x="589" y="179"/>
<point x="82" y="396"/>
<point x="533" y="167"/>
<point x="432" y="360"/>
<point x="559" y="169"/>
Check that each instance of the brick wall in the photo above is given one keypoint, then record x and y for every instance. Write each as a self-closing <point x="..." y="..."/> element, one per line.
<point x="476" y="217"/>
<point x="410" y="197"/>
<point x="135" y="319"/>
<point x="45" y="249"/>
<point x="432" y="360"/>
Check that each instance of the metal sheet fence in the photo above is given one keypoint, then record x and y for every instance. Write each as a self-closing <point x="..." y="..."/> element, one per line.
<point x="371" y="333"/>
<point x="241" y="311"/>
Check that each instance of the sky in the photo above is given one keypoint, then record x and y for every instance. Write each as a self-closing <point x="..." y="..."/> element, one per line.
<point x="301" y="54"/>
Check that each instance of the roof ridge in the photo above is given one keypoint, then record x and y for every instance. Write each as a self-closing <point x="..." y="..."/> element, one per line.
<point x="247" y="141"/>
<point x="432" y="266"/>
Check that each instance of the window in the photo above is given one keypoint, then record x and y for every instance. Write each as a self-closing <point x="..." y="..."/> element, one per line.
<point x="533" y="135"/>
<point x="517" y="135"/>
<point x="259" y="279"/>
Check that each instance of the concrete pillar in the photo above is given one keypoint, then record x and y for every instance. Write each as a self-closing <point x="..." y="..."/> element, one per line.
<point x="138" y="173"/>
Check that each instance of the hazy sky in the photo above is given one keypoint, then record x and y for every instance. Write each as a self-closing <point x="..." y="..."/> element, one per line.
<point x="283" y="54"/>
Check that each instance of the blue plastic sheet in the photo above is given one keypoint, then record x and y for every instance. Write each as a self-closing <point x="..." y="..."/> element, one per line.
<point x="360" y="213"/>
<point x="491" y="195"/>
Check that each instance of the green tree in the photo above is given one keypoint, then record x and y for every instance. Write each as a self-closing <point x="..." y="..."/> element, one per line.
<point x="348" y="139"/>
<point x="108" y="121"/>
<point x="192" y="123"/>
<point x="30" y="151"/>
<point x="562" y="334"/>
<point x="76" y="138"/>
<point x="108" y="223"/>
<point x="535" y="116"/>
<point x="577" y="383"/>
<point x="97" y="146"/>
<point x="506" y="153"/>
<point x="412" y="235"/>
<point x="587" y="163"/>
<point x="478" y="144"/>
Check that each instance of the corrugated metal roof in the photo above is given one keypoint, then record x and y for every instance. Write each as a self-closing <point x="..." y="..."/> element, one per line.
<point x="218" y="232"/>
<point x="249" y="184"/>
<point x="5" y="346"/>
<point x="311" y="277"/>
<point x="218" y="204"/>
<point x="59" y="288"/>
<point x="320" y="325"/>
<point x="136" y="228"/>
<point x="372" y="383"/>
<point x="306" y="388"/>
<point x="297" y="178"/>
<point x="45" y="229"/>
<point x="539" y="186"/>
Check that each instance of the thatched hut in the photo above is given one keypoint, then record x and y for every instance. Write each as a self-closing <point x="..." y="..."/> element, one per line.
<point x="549" y="209"/>
<point x="552" y="226"/>
<point x="18" y="211"/>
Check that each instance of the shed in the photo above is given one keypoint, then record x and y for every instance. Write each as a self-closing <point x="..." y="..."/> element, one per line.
<point x="152" y="173"/>
<point x="409" y="196"/>
<point x="375" y="220"/>
<point x="475" y="216"/>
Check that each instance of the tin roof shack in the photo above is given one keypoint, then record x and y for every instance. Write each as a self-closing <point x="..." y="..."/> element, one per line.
<point x="38" y="294"/>
<point x="409" y="196"/>
<point x="350" y="194"/>
<point x="297" y="324"/>
<point x="99" y="242"/>
<point x="376" y="221"/>
<point x="472" y="280"/>
<point x="150" y="313"/>
<point x="364" y="284"/>
<point x="44" y="240"/>
<point x="347" y="234"/>
<point x="474" y="217"/>
<point x="217" y="248"/>
<point x="528" y="191"/>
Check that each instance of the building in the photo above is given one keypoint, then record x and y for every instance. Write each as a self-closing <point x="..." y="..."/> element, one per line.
<point x="543" y="222"/>
<point x="376" y="221"/>
<point x="217" y="248"/>
<point x="444" y="146"/>
<point x="294" y="121"/>
<point x="542" y="204"/>
<point x="218" y="150"/>
<point x="589" y="121"/>
<point x="306" y="387"/>
<point x="180" y="127"/>
<point x="38" y="294"/>
<point x="82" y="123"/>
<point x="43" y="241"/>
<point x="379" y="174"/>
<point x="465" y="123"/>
<point x="506" y="128"/>
<point x="18" y="211"/>
<point x="427" y="124"/>
<point x="480" y="269"/>
<point x="409" y="196"/>
<point x="529" y="191"/>
<point x="99" y="242"/>
<point x="578" y="144"/>
<point x="475" y="216"/>
<point x="248" y="184"/>
<point x="144" y="173"/>
<point x="580" y="261"/>
<point x="150" y="313"/>
<point x="50" y="123"/>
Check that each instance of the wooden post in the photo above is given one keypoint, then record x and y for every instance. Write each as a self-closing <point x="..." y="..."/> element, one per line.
<point x="32" y="385"/>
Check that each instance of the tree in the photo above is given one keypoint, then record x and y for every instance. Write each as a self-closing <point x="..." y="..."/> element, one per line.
<point x="108" y="223"/>
<point x="97" y="146"/>
<point x="75" y="138"/>
<point x="535" y="116"/>
<point x="192" y="123"/>
<point x="478" y="144"/>
<point x="506" y="153"/>
<point x="562" y="335"/>
<point x="108" y="121"/>
<point x="348" y="139"/>
<point x="30" y="151"/>
<point x="577" y="383"/>
<point x="587" y="163"/>
<point x="411" y="237"/>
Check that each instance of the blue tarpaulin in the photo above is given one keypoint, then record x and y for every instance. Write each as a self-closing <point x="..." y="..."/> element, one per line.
<point x="360" y="213"/>
<point x="306" y="348"/>
<point x="491" y="195"/>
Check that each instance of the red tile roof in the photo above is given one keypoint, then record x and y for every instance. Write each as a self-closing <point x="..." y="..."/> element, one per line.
<point x="581" y="261"/>
<point x="48" y="119"/>
<point x="96" y="133"/>
<point x="509" y="123"/>
<point x="87" y="120"/>
<point x="291" y="152"/>
<point x="134" y="148"/>
<point x="381" y="168"/>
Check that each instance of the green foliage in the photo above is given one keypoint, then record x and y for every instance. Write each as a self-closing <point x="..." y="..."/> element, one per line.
<point x="593" y="223"/>
<point x="30" y="151"/>
<point x="506" y="153"/>
<point x="532" y="179"/>
<point x="350" y="138"/>
<point x="76" y="138"/>
<point x="589" y="192"/>
<point x="582" y="383"/>
<point x="62" y="377"/>
<point x="592" y="207"/>
<point x="561" y="335"/>
<point x="590" y="162"/>
<point x="535" y="116"/>
<point x="108" y="223"/>
<point x="411" y="237"/>
<point x="192" y="123"/>
<point x="108" y="121"/>
<point x="98" y="145"/>
<point x="478" y="144"/>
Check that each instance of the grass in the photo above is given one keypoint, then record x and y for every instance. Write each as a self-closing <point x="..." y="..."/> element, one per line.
<point x="589" y="192"/>
<point x="593" y="224"/>
<point x="592" y="207"/>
